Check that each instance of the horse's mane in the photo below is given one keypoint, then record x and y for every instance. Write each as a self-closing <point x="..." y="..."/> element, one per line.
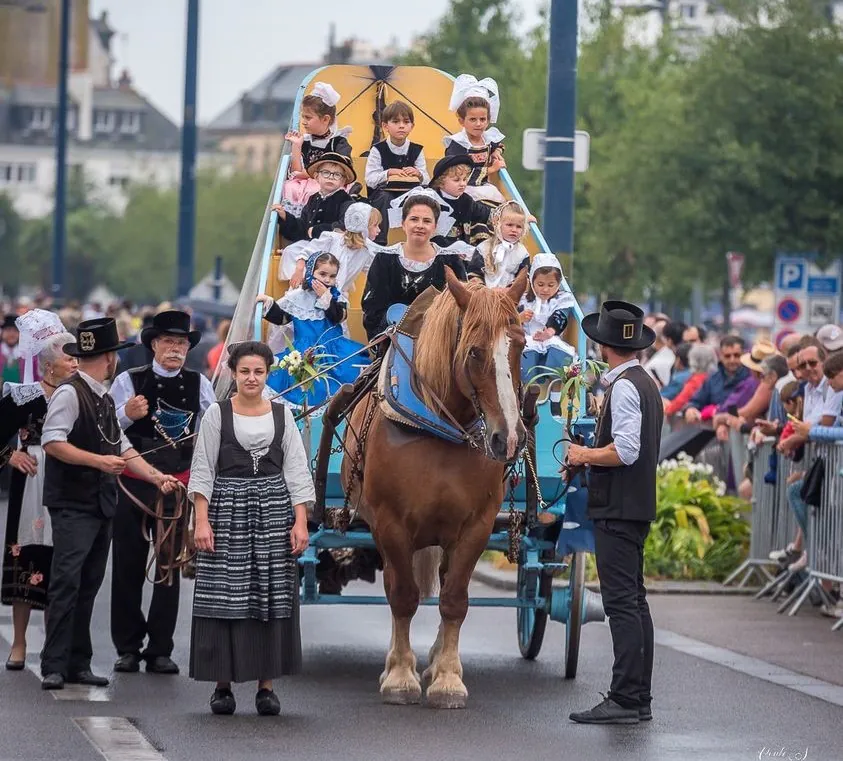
<point x="438" y="351"/>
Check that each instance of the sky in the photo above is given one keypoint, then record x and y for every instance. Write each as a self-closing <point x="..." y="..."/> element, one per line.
<point x="240" y="41"/>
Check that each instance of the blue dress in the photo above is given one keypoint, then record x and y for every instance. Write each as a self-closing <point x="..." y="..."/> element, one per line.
<point x="313" y="327"/>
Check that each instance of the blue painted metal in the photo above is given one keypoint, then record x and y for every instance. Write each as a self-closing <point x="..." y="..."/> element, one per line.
<point x="560" y="605"/>
<point x="59" y="215"/>
<point x="558" y="213"/>
<point x="187" y="192"/>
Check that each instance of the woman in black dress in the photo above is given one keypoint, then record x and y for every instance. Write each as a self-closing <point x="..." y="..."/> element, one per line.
<point x="28" y="545"/>
<point x="399" y="274"/>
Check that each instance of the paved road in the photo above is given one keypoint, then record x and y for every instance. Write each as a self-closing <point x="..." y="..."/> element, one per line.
<point x="703" y="709"/>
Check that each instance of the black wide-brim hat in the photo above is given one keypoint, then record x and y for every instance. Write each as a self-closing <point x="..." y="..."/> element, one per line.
<point x="619" y="325"/>
<point x="334" y="158"/>
<point x="443" y="165"/>
<point x="95" y="337"/>
<point x="172" y="323"/>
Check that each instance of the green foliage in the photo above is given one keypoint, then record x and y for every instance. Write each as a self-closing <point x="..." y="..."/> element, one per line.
<point x="699" y="532"/>
<point x="10" y="248"/>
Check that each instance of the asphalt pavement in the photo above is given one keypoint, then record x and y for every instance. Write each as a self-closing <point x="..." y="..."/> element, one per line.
<point x="714" y="696"/>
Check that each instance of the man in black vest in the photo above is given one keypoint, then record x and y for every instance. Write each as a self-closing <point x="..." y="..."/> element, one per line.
<point x="622" y="502"/>
<point x="157" y="404"/>
<point x="86" y="451"/>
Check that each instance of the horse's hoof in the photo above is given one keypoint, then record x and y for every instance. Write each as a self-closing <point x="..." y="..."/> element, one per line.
<point x="448" y="700"/>
<point x="401" y="697"/>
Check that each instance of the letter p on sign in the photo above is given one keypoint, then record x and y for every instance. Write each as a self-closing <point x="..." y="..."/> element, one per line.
<point x="791" y="274"/>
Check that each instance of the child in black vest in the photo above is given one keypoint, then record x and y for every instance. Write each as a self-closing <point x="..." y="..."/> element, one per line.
<point x="477" y="105"/>
<point x="318" y="135"/>
<point x="395" y="165"/>
<point x="463" y="219"/>
<point x="325" y="210"/>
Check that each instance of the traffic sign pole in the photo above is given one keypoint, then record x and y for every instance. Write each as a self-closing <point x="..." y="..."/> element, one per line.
<point x="558" y="210"/>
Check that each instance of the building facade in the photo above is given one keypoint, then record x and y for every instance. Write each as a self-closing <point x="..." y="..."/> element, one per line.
<point x="116" y="137"/>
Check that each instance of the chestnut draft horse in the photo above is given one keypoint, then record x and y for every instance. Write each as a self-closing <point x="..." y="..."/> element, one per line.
<point x="421" y="493"/>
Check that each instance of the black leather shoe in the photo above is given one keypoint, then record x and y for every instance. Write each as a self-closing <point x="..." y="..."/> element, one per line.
<point x="267" y="703"/>
<point x="52" y="682"/>
<point x="87" y="677"/>
<point x="645" y="713"/>
<point x="128" y="663"/>
<point x="161" y="664"/>
<point x="15" y="665"/>
<point x="607" y="712"/>
<point x="223" y="702"/>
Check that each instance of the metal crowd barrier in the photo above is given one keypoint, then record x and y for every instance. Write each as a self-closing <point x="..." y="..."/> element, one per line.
<point x="773" y="524"/>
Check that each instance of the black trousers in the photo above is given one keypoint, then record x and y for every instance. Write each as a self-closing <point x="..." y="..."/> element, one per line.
<point x="80" y="555"/>
<point x="130" y="555"/>
<point x="619" y="549"/>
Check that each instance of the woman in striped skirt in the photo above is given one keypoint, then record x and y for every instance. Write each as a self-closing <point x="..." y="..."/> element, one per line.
<point x="250" y="485"/>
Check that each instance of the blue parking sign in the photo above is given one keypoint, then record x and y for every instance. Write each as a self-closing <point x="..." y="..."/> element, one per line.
<point x="791" y="274"/>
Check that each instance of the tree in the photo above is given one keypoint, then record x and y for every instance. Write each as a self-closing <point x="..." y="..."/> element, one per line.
<point x="10" y="251"/>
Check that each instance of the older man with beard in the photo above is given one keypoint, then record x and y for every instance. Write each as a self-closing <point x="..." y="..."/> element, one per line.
<point x="159" y="406"/>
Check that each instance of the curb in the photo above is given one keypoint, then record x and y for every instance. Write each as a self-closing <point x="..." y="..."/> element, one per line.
<point x="496" y="578"/>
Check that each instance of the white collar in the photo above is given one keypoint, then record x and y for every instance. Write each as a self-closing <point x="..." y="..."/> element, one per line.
<point x="448" y="196"/>
<point x="491" y="135"/>
<point x="98" y="388"/>
<point x="399" y="150"/>
<point x="326" y="197"/>
<point x="612" y="375"/>
<point x="163" y="371"/>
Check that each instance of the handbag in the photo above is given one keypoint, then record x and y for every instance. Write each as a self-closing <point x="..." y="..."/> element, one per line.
<point x="812" y="484"/>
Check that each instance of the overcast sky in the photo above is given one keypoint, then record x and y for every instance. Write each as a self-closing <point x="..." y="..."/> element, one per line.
<point x="242" y="40"/>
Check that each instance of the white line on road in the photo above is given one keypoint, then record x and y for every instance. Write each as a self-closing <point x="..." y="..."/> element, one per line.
<point x="117" y="739"/>
<point x="745" y="664"/>
<point x="35" y="637"/>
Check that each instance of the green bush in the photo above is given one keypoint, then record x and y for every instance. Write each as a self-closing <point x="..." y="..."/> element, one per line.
<point x="699" y="531"/>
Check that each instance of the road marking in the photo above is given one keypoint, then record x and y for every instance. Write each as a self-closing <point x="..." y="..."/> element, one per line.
<point x="745" y="664"/>
<point x="35" y="642"/>
<point x="117" y="739"/>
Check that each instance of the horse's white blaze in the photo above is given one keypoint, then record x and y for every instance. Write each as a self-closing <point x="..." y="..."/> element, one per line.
<point x="506" y="393"/>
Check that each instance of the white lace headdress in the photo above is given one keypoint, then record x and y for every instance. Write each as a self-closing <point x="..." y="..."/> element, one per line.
<point x="466" y="86"/>
<point x="37" y="327"/>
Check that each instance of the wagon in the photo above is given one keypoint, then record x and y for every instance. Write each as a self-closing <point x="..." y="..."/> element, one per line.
<point x="553" y="534"/>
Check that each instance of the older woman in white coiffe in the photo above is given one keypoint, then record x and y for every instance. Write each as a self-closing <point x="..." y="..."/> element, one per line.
<point x="28" y="545"/>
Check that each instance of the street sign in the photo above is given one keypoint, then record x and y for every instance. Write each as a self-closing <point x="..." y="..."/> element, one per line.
<point x="533" y="149"/>
<point x="807" y="296"/>
<point x="788" y="310"/>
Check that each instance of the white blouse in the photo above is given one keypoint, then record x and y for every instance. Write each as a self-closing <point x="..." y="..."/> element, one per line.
<point x="252" y="433"/>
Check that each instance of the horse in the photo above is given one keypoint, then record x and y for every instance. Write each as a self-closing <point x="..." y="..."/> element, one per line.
<point x="429" y="503"/>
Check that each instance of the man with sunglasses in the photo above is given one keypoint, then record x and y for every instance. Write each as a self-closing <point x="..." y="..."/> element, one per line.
<point x="722" y="382"/>
<point x="822" y="408"/>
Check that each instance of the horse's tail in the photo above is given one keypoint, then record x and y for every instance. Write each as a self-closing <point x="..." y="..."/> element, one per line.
<point x="426" y="570"/>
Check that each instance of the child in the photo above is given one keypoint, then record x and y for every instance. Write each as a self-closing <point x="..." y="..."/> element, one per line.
<point x="325" y="209"/>
<point x="504" y="255"/>
<point x="316" y="311"/>
<point x="394" y="165"/>
<point x="319" y="134"/>
<point x="353" y="248"/>
<point x="544" y="315"/>
<point x="463" y="218"/>
<point x="477" y="105"/>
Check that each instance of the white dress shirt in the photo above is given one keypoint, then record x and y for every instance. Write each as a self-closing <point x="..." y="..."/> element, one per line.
<point x="821" y="400"/>
<point x="626" y="413"/>
<point x="376" y="175"/>
<point x="63" y="411"/>
<point x="252" y="433"/>
<point x="123" y="389"/>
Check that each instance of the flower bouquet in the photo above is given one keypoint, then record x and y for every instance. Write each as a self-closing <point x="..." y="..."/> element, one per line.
<point x="574" y="380"/>
<point x="305" y="368"/>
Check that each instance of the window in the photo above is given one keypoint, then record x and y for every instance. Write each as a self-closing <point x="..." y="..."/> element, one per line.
<point x="104" y="121"/>
<point x="688" y="11"/>
<point x="121" y="182"/>
<point x="71" y="119"/>
<point x="17" y="174"/>
<point x="42" y="118"/>
<point x="130" y="122"/>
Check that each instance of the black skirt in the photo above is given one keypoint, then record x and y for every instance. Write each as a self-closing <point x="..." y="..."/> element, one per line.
<point x="245" y="650"/>
<point x="26" y="569"/>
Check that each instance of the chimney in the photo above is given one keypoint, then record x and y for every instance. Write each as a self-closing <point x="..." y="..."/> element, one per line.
<point x="125" y="81"/>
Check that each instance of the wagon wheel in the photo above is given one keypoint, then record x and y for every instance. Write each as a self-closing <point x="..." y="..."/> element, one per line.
<point x="573" y="627"/>
<point x="532" y="621"/>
